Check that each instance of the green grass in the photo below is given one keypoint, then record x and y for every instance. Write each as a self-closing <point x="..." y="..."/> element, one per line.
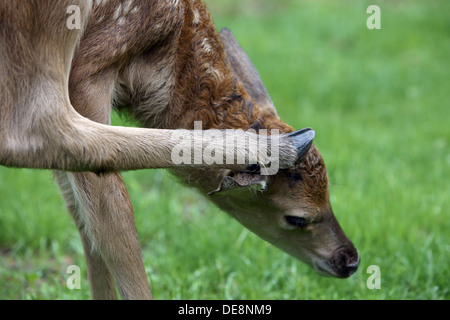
<point x="379" y="102"/>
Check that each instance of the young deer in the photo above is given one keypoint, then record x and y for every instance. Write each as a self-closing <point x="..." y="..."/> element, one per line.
<point x="164" y="63"/>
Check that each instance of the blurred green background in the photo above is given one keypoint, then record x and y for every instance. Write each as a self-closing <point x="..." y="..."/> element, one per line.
<point x="379" y="102"/>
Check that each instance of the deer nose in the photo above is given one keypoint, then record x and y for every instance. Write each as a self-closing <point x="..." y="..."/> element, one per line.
<point x="352" y="267"/>
<point x="347" y="261"/>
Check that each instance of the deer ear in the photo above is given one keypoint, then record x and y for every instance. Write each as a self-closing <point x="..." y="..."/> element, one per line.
<point x="241" y="181"/>
<point x="245" y="71"/>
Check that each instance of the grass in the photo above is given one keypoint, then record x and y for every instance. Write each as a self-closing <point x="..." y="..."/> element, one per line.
<point x="379" y="102"/>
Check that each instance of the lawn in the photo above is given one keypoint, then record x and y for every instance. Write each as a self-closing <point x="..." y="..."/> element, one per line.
<point x="379" y="102"/>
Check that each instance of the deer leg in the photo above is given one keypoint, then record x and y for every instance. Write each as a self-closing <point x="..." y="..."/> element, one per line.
<point x="100" y="279"/>
<point x="110" y="235"/>
<point x="104" y="215"/>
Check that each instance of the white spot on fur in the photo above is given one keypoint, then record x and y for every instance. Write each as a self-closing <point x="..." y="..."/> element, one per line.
<point x="118" y="12"/>
<point x="127" y="6"/>
<point x="121" y="21"/>
<point x="158" y="27"/>
<point x="196" y="17"/>
<point x="206" y="46"/>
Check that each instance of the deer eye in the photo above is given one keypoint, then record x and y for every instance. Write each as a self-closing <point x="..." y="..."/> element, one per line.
<point x="296" y="221"/>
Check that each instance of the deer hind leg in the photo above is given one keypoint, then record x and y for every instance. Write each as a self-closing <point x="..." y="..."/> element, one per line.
<point x="102" y="210"/>
<point x="100" y="279"/>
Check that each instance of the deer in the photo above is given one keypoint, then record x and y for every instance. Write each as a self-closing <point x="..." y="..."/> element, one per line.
<point x="165" y="64"/>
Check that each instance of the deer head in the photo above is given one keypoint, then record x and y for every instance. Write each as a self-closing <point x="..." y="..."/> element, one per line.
<point x="291" y="209"/>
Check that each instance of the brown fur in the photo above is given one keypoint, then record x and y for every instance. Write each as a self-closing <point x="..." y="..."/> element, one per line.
<point x="165" y="64"/>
